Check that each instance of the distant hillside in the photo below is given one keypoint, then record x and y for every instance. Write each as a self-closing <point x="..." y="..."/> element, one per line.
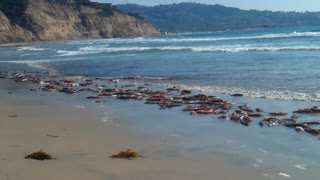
<point x="43" y="20"/>
<point x="194" y="17"/>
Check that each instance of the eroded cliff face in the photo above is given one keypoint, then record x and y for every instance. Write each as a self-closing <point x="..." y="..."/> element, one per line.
<point x="45" y="21"/>
<point x="10" y="32"/>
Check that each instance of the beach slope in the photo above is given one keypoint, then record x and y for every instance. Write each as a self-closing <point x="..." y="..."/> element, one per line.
<point x="82" y="144"/>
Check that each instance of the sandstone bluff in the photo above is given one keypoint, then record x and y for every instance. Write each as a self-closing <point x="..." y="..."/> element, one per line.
<point x="50" y="20"/>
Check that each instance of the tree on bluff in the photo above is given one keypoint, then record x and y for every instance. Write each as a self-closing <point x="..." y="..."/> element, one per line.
<point x="13" y="8"/>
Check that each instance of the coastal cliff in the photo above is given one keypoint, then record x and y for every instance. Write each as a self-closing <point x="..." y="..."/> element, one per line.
<point x="11" y="32"/>
<point x="50" y="20"/>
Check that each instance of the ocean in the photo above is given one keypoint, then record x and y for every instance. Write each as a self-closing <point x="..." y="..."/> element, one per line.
<point x="275" y="69"/>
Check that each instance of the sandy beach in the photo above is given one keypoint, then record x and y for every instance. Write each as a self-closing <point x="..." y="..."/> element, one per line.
<point x="84" y="143"/>
<point x="22" y="44"/>
<point x="18" y="44"/>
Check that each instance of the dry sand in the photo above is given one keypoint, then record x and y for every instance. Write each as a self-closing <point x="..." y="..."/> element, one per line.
<point x="85" y="144"/>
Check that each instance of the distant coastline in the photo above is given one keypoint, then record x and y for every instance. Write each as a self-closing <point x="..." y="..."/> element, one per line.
<point x="197" y="17"/>
<point x="218" y="31"/>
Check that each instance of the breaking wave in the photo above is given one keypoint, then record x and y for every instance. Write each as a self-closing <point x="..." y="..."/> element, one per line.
<point x="140" y="77"/>
<point x="221" y="49"/>
<point x="266" y="36"/>
<point x="210" y="37"/>
<point x="31" y="48"/>
<point x="173" y="39"/>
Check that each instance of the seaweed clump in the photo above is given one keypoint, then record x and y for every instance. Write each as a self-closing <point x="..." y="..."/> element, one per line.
<point x="127" y="154"/>
<point x="39" y="155"/>
<point x="13" y="116"/>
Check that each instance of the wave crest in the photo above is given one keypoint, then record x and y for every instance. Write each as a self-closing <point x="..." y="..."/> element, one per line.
<point x="223" y="49"/>
<point x="175" y="39"/>
<point x="31" y="48"/>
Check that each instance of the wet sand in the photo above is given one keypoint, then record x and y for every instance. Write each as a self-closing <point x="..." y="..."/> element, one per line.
<point x="20" y="44"/>
<point x="84" y="144"/>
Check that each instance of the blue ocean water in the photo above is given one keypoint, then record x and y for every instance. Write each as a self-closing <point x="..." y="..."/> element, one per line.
<point x="277" y="69"/>
<point x="272" y="63"/>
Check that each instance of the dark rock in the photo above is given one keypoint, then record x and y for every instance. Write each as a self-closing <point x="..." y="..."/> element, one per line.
<point x="236" y="95"/>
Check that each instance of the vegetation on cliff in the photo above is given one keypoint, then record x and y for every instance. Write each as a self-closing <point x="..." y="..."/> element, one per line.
<point x="195" y="17"/>
<point x="107" y="9"/>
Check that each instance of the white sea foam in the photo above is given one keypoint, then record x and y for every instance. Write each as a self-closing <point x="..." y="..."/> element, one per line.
<point x="301" y="166"/>
<point x="28" y="61"/>
<point x="284" y="175"/>
<point x="79" y="106"/>
<point x="255" y="93"/>
<point x="31" y="48"/>
<point x="29" y="54"/>
<point x="262" y="150"/>
<point x="173" y="39"/>
<point x="101" y="46"/>
<point x="105" y="119"/>
<point x="269" y="176"/>
<point x="141" y="77"/>
<point x="256" y="166"/>
<point x="199" y="49"/>
<point x="106" y="113"/>
<point x="70" y="53"/>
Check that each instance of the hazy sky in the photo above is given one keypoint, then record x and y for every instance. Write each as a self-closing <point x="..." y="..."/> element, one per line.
<point x="275" y="5"/>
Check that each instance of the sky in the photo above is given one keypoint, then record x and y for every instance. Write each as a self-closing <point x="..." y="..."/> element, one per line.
<point x="274" y="5"/>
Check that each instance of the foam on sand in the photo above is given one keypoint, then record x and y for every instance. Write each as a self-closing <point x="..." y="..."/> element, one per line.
<point x="283" y="174"/>
<point x="255" y="93"/>
<point x="301" y="166"/>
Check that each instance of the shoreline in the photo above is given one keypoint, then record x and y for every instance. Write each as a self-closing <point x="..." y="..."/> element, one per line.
<point x="21" y="44"/>
<point x="84" y="144"/>
<point x="122" y="124"/>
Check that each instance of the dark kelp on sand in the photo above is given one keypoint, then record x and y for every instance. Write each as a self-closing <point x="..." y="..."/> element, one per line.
<point x="39" y="155"/>
<point x="127" y="154"/>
